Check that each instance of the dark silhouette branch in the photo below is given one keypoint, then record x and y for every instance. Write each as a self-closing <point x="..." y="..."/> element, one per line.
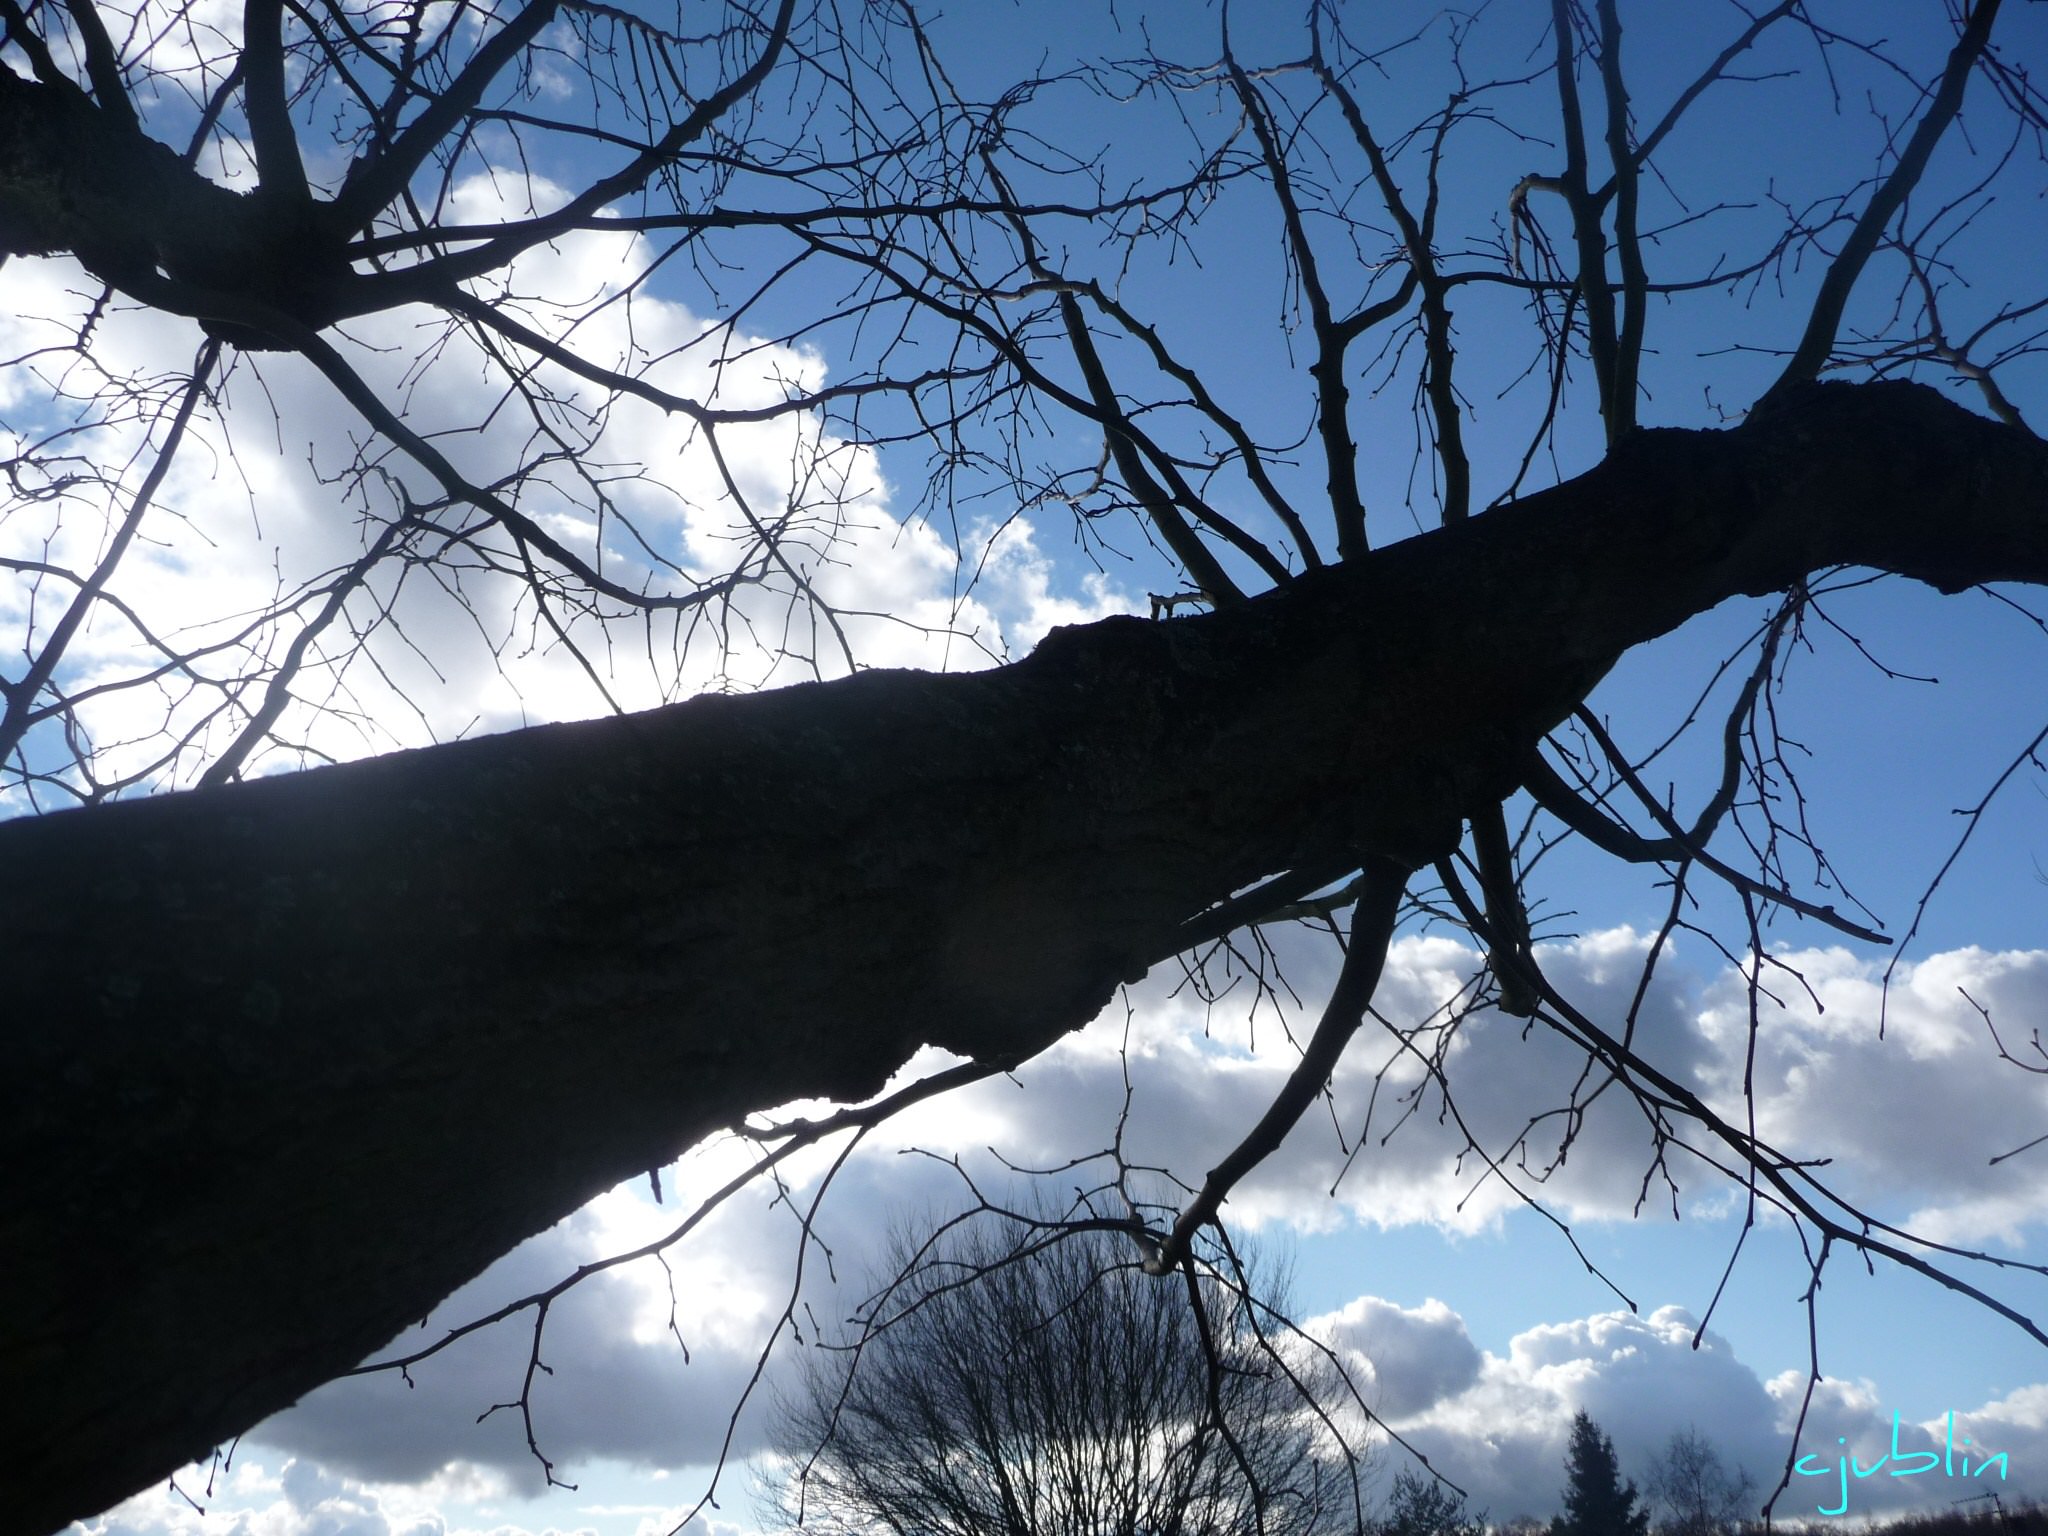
<point x="376" y="180"/>
<point x="1446" y="419"/>
<point x="1333" y="389"/>
<point x="1817" y="344"/>
<point x="1628" y="342"/>
<point x="1365" y="956"/>
<point x="103" y="65"/>
<point x="271" y="135"/>
<point x="1596" y="290"/>
<point x="573" y="917"/>
<point x="21" y="694"/>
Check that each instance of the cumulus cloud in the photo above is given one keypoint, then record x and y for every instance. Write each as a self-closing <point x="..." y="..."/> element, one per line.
<point x="1201" y="1073"/>
<point x="618" y="1383"/>
<point x="1495" y="1424"/>
<point x="1405" y="1360"/>
<point x="647" y="1364"/>
<point x="1395" y="1153"/>
<point x="1865" y="1074"/>
<point x="1502" y="1435"/>
<point x="1827" y="1085"/>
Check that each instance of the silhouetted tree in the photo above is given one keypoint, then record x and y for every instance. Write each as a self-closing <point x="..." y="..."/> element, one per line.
<point x="1011" y="1380"/>
<point x="1700" y="1496"/>
<point x="1597" y="1502"/>
<point x="1420" y="1505"/>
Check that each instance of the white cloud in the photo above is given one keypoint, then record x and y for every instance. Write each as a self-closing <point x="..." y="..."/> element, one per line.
<point x="1914" y="1118"/>
<point x="1911" y="1120"/>
<point x="265" y="502"/>
<point x="1387" y="1146"/>
<point x="621" y="1390"/>
<point x="302" y="1499"/>
<point x="1502" y="1438"/>
<point x="1496" y="1425"/>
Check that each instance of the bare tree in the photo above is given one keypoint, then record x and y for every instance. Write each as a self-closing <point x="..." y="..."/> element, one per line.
<point x="1700" y="1496"/>
<point x="289" y="1058"/>
<point x="1423" y="1506"/>
<point x="1025" y="1378"/>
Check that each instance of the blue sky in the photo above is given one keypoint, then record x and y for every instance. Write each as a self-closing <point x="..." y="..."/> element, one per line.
<point x="1487" y="1328"/>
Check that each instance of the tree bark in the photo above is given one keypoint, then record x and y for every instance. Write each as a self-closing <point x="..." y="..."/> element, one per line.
<point x="285" y="1063"/>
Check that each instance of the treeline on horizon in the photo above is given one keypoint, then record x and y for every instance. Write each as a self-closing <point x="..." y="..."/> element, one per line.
<point x="2012" y="1517"/>
<point x="2015" y="1517"/>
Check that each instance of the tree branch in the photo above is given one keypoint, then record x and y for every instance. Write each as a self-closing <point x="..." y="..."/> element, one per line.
<point x="22" y="694"/>
<point x="1596" y="291"/>
<point x="647" y="927"/>
<point x="1365" y="956"/>
<point x="1423" y="272"/>
<point x="271" y="135"/>
<point x="1628" y="345"/>
<point x="1818" y="342"/>
<point x="103" y="65"/>
<point x="377" y="181"/>
<point x="1333" y="390"/>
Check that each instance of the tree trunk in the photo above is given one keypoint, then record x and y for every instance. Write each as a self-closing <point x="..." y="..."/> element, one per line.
<point x="286" y="1063"/>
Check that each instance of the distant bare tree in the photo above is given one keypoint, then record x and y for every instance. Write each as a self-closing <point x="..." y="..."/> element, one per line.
<point x="1019" y="1379"/>
<point x="1421" y="1505"/>
<point x="1699" y="1494"/>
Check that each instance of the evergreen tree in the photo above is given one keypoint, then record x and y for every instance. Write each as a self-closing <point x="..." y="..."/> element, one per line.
<point x="1596" y="1501"/>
